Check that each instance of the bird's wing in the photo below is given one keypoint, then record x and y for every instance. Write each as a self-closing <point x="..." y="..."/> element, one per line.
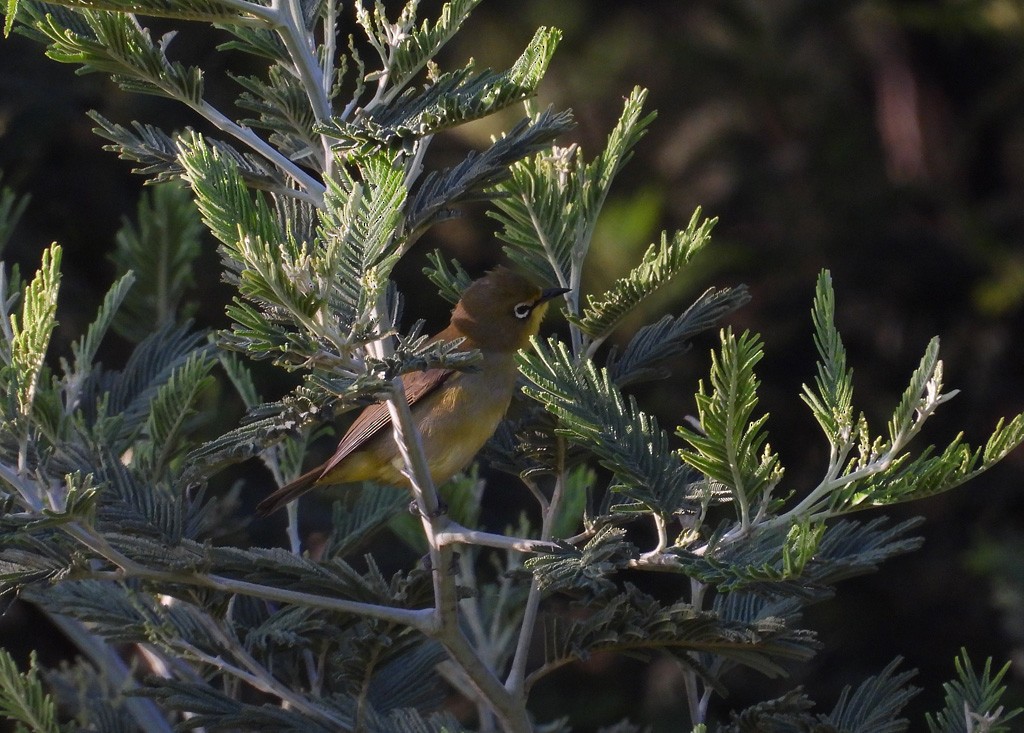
<point x="376" y="417"/>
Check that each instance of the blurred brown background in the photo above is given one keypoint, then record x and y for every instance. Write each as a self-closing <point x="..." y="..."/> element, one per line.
<point x="882" y="140"/>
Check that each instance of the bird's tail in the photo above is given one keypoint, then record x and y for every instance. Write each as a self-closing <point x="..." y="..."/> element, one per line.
<point x="288" y="492"/>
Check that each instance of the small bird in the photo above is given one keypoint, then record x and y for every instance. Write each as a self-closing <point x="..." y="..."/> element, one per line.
<point x="455" y="411"/>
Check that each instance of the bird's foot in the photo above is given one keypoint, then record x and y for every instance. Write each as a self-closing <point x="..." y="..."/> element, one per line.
<point x="442" y="509"/>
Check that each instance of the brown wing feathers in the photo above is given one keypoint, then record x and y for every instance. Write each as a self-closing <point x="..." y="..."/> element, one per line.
<point x="369" y="423"/>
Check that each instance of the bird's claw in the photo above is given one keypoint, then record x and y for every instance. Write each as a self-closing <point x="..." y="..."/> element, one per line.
<point x="442" y="509"/>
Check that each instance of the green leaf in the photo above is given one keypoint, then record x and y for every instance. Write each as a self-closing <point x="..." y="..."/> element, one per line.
<point x="923" y="391"/>
<point x="439" y="191"/>
<point x="592" y="413"/>
<point x="283" y="107"/>
<point x="800" y="547"/>
<point x="210" y="706"/>
<point x="657" y="267"/>
<point x="268" y="423"/>
<point x="22" y="698"/>
<point x="227" y="207"/>
<point x="299" y="297"/>
<point x="733" y="449"/>
<point x="450" y="278"/>
<point x="876" y="703"/>
<point x="973" y="701"/>
<point x="832" y="401"/>
<point x="201" y="10"/>
<point x="908" y="479"/>
<point x="587" y="569"/>
<point x="641" y="359"/>
<point x="418" y="46"/>
<point x="150" y="365"/>
<point x="241" y="378"/>
<point x="762" y="632"/>
<point x="764" y="561"/>
<point x="634" y="623"/>
<point x="156" y="152"/>
<point x="359" y="240"/>
<point x="11" y="12"/>
<point x="169" y="412"/>
<point x="115" y="43"/>
<point x="161" y="251"/>
<point x="32" y="330"/>
<point x="786" y="714"/>
<point x="354" y="522"/>
<point x="84" y="349"/>
<point x="451" y="99"/>
<point x="12" y="205"/>
<point x="549" y="206"/>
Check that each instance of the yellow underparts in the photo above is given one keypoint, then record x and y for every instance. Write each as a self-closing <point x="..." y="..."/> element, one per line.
<point x="454" y="423"/>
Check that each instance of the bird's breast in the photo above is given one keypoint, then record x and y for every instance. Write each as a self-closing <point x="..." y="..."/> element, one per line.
<point x="460" y="417"/>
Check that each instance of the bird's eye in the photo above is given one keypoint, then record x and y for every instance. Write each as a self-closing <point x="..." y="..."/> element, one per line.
<point x="522" y="310"/>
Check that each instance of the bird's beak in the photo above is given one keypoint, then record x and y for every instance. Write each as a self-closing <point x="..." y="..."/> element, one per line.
<point x="549" y="293"/>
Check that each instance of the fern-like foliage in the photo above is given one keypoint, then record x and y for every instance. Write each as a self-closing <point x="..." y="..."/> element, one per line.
<point x="113" y="43"/>
<point x="172" y="406"/>
<point x="84" y="350"/>
<point x="454" y="98"/>
<point x="29" y="332"/>
<point x="593" y="413"/>
<point x="657" y="266"/>
<point x="876" y="703"/>
<point x="12" y="207"/>
<point x="117" y="523"/>
<point x="22" y="698"/>
<point x="416" y="45"/>
<point x="450" y="278"/>
<point x="643" y="357"/>
<point x="586" y="569"/>
<point x="731" y="447"/>
<point x="636" y="622"/>
<point x="973" y="701"/>
<point x="440" y="190"/>
<point x="156" y="154"/>
<point x="283" y="108"/>
<point x="767" y="562"/>
<point x="161" y="252"/>
<point x="549" y="206"/>
<point x="832" y="400"/>
<point x="786" y="714"/>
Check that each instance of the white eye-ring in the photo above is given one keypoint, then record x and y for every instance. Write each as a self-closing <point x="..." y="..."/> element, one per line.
<point x="523" y="310"/>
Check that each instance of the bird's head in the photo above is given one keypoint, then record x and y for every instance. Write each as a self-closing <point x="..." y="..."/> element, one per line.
<point x="501" y="310"/>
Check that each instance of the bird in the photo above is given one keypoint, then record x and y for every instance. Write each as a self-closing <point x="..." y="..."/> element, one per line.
<point x="455" y="411"/>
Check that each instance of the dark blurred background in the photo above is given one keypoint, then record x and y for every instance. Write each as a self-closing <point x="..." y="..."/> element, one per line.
<point x="882" y="140"/>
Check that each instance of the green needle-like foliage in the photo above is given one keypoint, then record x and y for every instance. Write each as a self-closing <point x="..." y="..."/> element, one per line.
<point x="875" y="704"/>
<point x="659" y="263"/>
<point x="973" y="701"/>
<point x="593" y="413"/>
<point x="463" y="95"/>
<point x="549" y="206"/>
<point x="118" y="523"/>
<point x="652" y="345"/>
<point x="22" y="698"/>
<point x="30" y="331"/>
<point x="417" y="46"/>
<point x="832" y="401"/>
<point x="731" y="448"/>
<point x="12" y="206"/>
<point x="161" y="252"/>
<point x="172" y="405"/>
